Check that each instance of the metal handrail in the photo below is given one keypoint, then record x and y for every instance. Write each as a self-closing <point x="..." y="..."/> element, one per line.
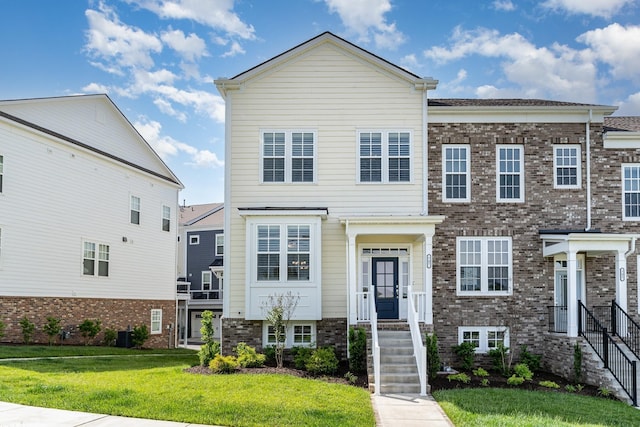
<point x="375" y="342"/>
<point x="419" y="350"/>
<point x="625" y="328"/>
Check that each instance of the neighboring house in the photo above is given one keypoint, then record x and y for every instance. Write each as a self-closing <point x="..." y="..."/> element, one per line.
<point x="200" y="264"/>
<point x="88" y="220"/>
<point x="482" y="220"/>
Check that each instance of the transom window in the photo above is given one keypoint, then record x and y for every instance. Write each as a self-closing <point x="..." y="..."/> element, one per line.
<point x="484" y="338"/>
<point x="294" y="248"/>
<point x="288" y="156"/>
<point x="456" y="173"/>
<point x="484" y="265"/>
<point x="91" y="257"/>
<point x="510" y="173"/>
<point x="384" y="156"/>
<point x="567" y="166"/>
<point x="631" y="191"/>
<point x="135" y="210"/>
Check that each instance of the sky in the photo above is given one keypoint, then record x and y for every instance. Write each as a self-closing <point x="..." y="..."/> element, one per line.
<point x="157" y="59"/>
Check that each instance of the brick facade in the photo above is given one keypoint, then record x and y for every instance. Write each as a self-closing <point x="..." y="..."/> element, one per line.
<point x="115" y="314"/>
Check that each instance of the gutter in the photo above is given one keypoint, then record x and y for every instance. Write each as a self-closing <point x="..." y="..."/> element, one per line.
<point x="588" y="154"/>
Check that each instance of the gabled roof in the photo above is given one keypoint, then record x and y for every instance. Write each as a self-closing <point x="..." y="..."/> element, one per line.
<point x="209" y="214"/>
<point x="43" y="115"/>
<point x="503" y="102"/>
<point x="622" y="124"/>
<point x="327" y="37"/>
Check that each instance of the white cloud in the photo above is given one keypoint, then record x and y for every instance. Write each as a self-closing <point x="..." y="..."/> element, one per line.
<point x="366" y="19"/>
<point x="235" y="49"/>
<point x="630" y="106"/>
<point x="617" y="46"/>
<point x="601" y="8"/>
<point x="190" y="47"/>
<point x="95" y="88"/>
<point x="506" y="5"/>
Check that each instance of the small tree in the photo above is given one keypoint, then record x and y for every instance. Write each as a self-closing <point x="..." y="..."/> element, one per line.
<point x="89" y="329"/>
<point x="52" y="328"/>
<point x="139" y="335"/>
<point x="28" y="328"/>
<point x="210" y="348"/>
<point x="110" y="336"/>
<point x="357" y="350"/>
<point x="2" y="327"/>
<point x="279" y="309"/>
<point x="433" y="358"/>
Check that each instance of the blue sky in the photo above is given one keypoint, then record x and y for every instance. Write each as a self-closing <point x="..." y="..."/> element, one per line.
<point x="157" y="59"/>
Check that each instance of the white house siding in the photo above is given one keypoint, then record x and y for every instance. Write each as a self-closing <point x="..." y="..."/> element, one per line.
<point x="345" y="95"/>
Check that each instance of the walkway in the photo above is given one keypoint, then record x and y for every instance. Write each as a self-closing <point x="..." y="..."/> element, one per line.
<point x="408" y="410"/>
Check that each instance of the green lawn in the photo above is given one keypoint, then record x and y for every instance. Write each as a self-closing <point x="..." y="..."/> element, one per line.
<point x="157" y="387"/>
<point x="521" y="408"/>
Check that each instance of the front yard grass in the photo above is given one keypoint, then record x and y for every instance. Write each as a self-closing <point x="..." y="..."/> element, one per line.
<point x="157" y="387"/>
<point x="517" y="408"/>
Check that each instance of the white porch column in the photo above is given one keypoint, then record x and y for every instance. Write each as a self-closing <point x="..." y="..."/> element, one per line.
<point x="428" y="278"/>
<point x="352" y="278"/>
<point x="621" y="280"/>
<point x="572" y="294"/>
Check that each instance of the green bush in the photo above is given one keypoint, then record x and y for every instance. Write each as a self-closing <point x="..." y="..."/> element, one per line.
<point x="500" y="359"/>
<point x="515" y="380"/>
<point x="323" y="361"/>
<point x="207" y="352"/>
<point x="110" y="336"/>
<point x="577" y="363"/>
<point x="521" y="370"/>
<point x="2" y="327"/>
<point x="549" y="384"/>
<point x="223" y="364"/>
<point x="270" y="353"/>
<point x="357" y="350"/>
<point x="480" y="372"/>
<point x="466" y="351"/>
<point x="139" y="335"/>
<point x="484" y="382"/>
<point x="351" y="378"/>
<point x="301" y="356"/>
<point x="28" y="328"/>
<point x="248" y="357"/>
<point x="52" y="328"/>
<point x="89" y="329"/>
<point x="529" y="359"/>
<point x="461" y="377"/>
<point x="570" y="388"/>
<point x="433" y="358"/>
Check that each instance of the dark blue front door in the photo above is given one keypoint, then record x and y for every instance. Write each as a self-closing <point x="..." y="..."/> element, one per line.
<point x="385" y="283"/>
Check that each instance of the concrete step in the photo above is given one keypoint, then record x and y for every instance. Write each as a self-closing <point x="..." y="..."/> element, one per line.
<point x="403" y="368"/>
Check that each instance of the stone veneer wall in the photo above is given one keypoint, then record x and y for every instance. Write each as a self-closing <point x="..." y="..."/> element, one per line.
<point x="115" y="314"/>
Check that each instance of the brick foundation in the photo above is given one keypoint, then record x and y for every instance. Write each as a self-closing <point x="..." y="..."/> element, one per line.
<point x="115" y="314"/>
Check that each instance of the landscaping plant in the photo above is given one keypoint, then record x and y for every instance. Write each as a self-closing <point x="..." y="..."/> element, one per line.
<point x="433" y="358"/>
<point x="501" y="359"/>
<point x="301" y="356"/>
<point x="223" y="364"/>
<point x="28" y="328"/>
<point x="139" y="335"/>
<point x="357" y="350"/>
<point x="248" y="357"/>
<point x="530" y="359"/>
<point x="210" y="347"/>
<point x="323" y="361"/>
<point x="279" y="309"/>
<point x="2" y="326"/>
<point x="89" y="329"/>
<point x="52" y="328"/>
<point x="577" y="362"/>
<point x="110" y="336"/>
<point x="466" y="351"/>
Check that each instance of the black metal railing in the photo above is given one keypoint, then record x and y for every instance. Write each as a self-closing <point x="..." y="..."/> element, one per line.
<point x="557" y="318"/>
<point x="625" y="328"/>
<point x="613" y="357"/>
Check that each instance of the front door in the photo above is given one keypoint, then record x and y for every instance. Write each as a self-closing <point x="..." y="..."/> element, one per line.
<point x="385" y="284"/>
<point x="560" y="292"/>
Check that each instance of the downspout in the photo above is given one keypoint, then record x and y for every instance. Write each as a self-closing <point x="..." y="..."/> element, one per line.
<point x="588" y="154"/>
<point x="425" y="155"/>
<point x="633" y="247"/>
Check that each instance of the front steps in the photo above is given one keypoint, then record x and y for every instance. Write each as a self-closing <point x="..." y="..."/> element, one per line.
<point x="398" y="369"/>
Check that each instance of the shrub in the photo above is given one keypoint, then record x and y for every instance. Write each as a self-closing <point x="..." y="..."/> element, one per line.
<point x="139" y="335"/>
<point x="521" y="370"/>
<point x="323" y="361"/>
<point x="270" y="353"/>
<point x="461" y="377"/>
<point x="247" y="356"/>
<point x="501" y="360"/>
<point x="2" y="326"/>
<point x="549" y="384"/>
<point x="530" y="359"/>
<point x="466" y="351"/>
<point x="433" y="358"/>
<point x="110" y="336"/>
<point x="357" y="350"/>
<point x="570" y="388"/>
<point x="480" y="373"/>
<point x="579" y="387"/>
<point x="28" y="328"/>
<point x="210" y="348"/>
<point x="604" y="392"/>
<point x="208" y="352"/>
<point x="351" y="378"/>
<point x="515" y="380"/>
<point x="577" y="362"/>
<point x="301" y="356"/>
<point x="484" y="382"/>
<point x="89" y="329"/>
<point x="223" y="364"/>
<point x="52" y="328"/>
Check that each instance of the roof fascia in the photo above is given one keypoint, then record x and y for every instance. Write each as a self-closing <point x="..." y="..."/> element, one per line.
<point x="519" y="114"/>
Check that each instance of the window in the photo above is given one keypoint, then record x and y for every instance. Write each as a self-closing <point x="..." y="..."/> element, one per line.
<point x="631" y="191"/>
<point x="1" y="172"/>
<point x="135" y="210"/>
<point x="299" y="334"/>
<point x="156" y="321"/>
<point x="288" y="156"/>
<point x="89" y="259"/>
<point x="219" y="244"/>
<point x="166" y="218"/>
<point x="484" y="338"/>
<point x="384" y="156"/>
<point x="206" y="280"/>
<point x="567" y="163"/>
<point x="456" y="173"/>
<point x="510" y="173"/>
<point x="484" y="265"/>
<point x="298" y="252"/>
<point x="194" y="239"/>
<point x="302" y="334"/>
<point x="294" y="246"/>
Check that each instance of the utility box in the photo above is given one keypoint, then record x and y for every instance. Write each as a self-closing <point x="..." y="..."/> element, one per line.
<point x="124" y="339"/>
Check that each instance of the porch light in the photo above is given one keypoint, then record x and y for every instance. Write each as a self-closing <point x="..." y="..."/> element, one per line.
<point x="428" y="260"/>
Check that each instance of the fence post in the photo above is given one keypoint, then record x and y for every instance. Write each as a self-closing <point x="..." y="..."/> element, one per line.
<point x="605" y="347"/>
<point x="614" y="319"/>
<point x="580" y="331"/>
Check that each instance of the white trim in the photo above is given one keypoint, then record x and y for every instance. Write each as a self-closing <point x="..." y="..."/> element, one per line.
<point x="290" y="334"/>
<point x="622" y="187"/>
<point x="384" y="155"/>
<point x="484" y="264"/>
<point x="194" y="239"/>
<point x="467" y="173"/>
<point x="624" y="140"/>
<point x="578" y="166"/>
<point x="158" y="321"/>
<point x="520" y="174"/>
<point x="131" y="209"/>
<point x="209" y="274"/>
<point x="483" y="336"/>
<point x="288" y="156"/>
<point x="219" y="236"/>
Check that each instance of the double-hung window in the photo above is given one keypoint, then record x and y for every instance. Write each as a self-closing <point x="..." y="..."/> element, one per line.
<point x="510" y="173"/>
<point x="219" y="244"/>
<point x="166" y="218"/>
<point x="95" y="259"/>
<point x="456" y="173"/>
<point x="298" y="334"/>
<point x="156" y="321"/>
<point x="135" y="210"/>
<point x="283" y="248"/>
<point x="288" y="156"/>
<point x="1" y="172"/>
<point x="384" y="156"/>
<point x="484" y="265"/>
<point x="631" y="191"/>
<point x="567" y="163"/>
<point x="484" y="338"/>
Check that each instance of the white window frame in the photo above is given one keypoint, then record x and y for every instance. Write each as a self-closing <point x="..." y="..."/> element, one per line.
<point x="288" y="156"/>
<point x="166" y="218"/>
<point x="206" y="278"/>
<point x="219" y="244"/>
<point x="156" y="321"/>
<point x="577" y="166"/>
<point x="483" y="332"/>
<point x="466" y="173"/>
<point x="630" y="185"/>
<point x="385" y="156"/>
<point x="508" y="162"/>
<point x="98" y="258"/>
<point x="1" y="173"/>
<point x="290" y="334"/>
<point x="194" y="239"/>
<point x="483" y="263"/>
<point x="135" y="206"/>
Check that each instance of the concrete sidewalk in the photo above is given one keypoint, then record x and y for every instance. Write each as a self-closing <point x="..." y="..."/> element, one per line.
<point x="408" y="410"/>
